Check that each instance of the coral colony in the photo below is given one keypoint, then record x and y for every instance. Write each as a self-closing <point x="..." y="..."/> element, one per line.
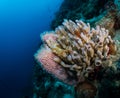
<point x="75" y="52"/>
<point x="84" y="55"/>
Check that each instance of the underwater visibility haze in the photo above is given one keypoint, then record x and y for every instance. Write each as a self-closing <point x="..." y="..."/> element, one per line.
<point x="21" y="22"/>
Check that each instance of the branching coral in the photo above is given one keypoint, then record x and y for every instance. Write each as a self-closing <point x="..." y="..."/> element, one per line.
<point x="74" y="50"/>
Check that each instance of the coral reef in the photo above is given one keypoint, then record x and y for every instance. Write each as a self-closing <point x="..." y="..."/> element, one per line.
<point x="85" y="90"/>
<point x="76" y="54"/>
<point x="74" y="50"/>
<point x="110" y="20"/>
<point x="81" y="9"/>
<point x="46" y="86"/>
<point x="45" y="56"/>
<point x="105" y="13"/>
<point x="71" y="53"/>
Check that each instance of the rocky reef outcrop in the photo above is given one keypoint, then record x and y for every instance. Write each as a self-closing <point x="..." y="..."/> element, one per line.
<point x="78" y="59"/>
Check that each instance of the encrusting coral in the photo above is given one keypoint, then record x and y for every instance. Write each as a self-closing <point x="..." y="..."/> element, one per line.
<point x="74" y="50"/>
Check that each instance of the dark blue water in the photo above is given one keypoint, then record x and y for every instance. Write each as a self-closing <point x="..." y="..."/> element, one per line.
<point x="21" y="22"/>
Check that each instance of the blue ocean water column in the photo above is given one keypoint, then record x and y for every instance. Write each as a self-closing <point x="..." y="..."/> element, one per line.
<point x="21" y="22"/>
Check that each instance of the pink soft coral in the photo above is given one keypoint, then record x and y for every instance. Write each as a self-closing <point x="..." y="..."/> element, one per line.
<point x="45" y="57"/>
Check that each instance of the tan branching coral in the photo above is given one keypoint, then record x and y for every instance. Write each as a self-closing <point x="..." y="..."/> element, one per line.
<point x="80" y="48"/>
<point x="77" y="50"/>
<point x="108" y="22"/>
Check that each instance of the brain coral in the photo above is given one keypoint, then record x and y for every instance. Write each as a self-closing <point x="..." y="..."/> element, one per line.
<point x="75" y="49"/>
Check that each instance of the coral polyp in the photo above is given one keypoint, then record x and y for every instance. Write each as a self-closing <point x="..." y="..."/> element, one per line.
<point x="76" y="50"/>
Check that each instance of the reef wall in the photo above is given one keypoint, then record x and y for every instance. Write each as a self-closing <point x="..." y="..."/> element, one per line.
<point x="72" y="75"/>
